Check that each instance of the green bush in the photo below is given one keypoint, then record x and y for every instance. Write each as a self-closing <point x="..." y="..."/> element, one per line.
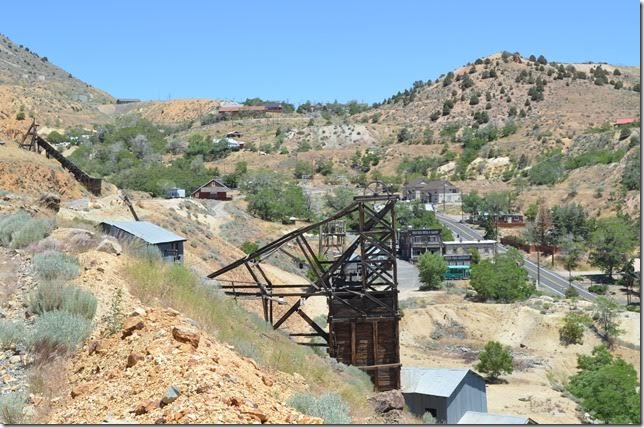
<point x="330" y="407"/>
<point x="59" y="332"/>
<point x="273" y="197"/>
<point x="504" y="280"/>
<point x="607" y="387"/>
<point x="595" y="157"/>
<point x="631" y="175"/>
<point x="572" y="330"/>
<point x="249" y="247"/>
<point x="598" y="288"/>
<point x="549" y="170"/>
<point x="11" y="408"/>
<point x="11" y="333"/>
<point x="495" y="360"/>
<point x="431" y="268"/>
<point x="53" y="265"/>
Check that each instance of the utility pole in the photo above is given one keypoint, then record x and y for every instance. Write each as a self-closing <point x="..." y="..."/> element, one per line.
<point x="444" y="191"/>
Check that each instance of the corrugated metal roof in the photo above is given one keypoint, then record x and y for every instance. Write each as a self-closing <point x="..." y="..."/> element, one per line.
<point x="479" y="418"/>
<point x="149" y="232"/>
<point x="481" y="241"/>
<point x="437" y="382"/>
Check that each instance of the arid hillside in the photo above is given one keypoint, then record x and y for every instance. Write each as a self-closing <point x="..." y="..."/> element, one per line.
<point x="32" y="86"/>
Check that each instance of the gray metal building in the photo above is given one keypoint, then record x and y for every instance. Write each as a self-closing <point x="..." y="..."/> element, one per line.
<point x="445" y="393"/>
<point x="146" y="233"/>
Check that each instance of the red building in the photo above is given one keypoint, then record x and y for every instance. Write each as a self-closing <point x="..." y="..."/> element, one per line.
<point x="214" y="189"/>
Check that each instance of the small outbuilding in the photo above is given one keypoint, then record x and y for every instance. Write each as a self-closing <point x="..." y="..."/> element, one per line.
<point x="479" y="418"/>
<point x="214" y="189"/>
<point x="147" y="234"/>
<point x="175" y="192"/>
<point x="447" y="394"/>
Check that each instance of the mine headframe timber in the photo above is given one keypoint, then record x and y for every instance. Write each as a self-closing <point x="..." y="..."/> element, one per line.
<point x="360" y="285"/>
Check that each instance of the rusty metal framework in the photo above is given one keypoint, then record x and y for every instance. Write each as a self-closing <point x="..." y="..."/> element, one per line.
<point x="332" y="239"/>
<point x="360" y="285"/>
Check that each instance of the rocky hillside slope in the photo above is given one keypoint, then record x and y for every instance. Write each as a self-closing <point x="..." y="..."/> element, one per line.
<point x="32" y="86"/>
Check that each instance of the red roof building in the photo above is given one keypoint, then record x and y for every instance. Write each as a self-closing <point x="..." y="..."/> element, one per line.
<point x="214" y="189"/>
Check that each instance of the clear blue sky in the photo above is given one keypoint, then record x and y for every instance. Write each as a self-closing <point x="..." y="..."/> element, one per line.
<point x="299" y="50"/>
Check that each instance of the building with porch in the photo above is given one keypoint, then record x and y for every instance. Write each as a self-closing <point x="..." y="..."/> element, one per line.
<point x="432" y="191"/>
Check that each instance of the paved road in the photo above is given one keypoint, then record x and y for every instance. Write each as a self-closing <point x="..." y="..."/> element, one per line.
<point x="554" y="282"/>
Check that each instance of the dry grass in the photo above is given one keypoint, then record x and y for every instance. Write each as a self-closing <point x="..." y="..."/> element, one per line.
<point x="176" y="286"/>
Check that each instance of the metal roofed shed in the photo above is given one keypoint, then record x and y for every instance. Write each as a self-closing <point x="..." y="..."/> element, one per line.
<point x="479" y="418"/>
<point x="445" y="393"/>
<point x="169" y="244"/>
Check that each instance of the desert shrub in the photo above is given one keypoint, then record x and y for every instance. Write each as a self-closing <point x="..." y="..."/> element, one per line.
<point x="79" y="302"/>
<point x="149" y="253"/>
<point x="11" y="408"/>
<point x="330" y="407"/>
<point x="47" y="297"/>
<point x="598" y="288"/>
<point x="548" y="171"/>
<point x="572" y="330"/>
<point x="495" y="360"/>
<point x="631" y="175"/>
<point x="11" y="333"/>
<point x="114" y="317"/>
<point x="571" y="292"/>
<point x="10" y="224"/>
<point x="595" y="157"/>
<point x="429" y="419"/>
<point x="249" y="247"/>
<point x="32" y="231"/>
<point x="59" y="332"/>
<point x="48" y="243"/>
<point x="52" y="265"/>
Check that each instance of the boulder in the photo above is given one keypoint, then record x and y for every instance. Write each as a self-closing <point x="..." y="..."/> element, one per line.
<point x="386" y="401"/>
<point x="81" y="389"/>
<point x="256" y="414"/>
<point x="170" y="395"/>
<point x="134" y="358"/>
<point x="186" y="336"/>
<point x="50" y="201"/>
<point x="131" y="325"/>
<point x="145" y="407"/>
<point x="109" y="246"/>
